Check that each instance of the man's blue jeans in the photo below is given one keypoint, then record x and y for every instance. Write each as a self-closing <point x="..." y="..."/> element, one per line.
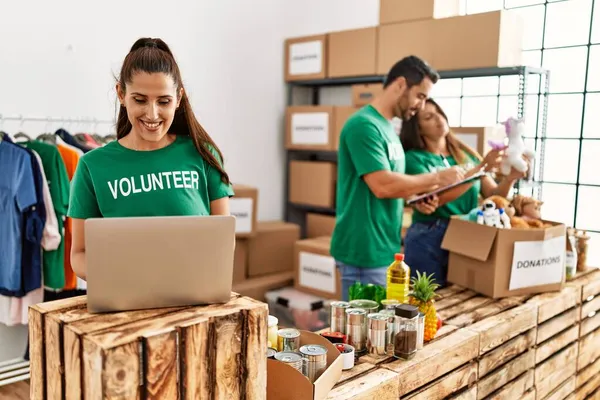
<point x="351" y="274"/>
<point x="423" y="250"/>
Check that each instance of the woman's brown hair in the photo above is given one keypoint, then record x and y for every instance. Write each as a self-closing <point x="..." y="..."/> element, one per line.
<point x="411" y="138"/>
<point x="154" y="56"/>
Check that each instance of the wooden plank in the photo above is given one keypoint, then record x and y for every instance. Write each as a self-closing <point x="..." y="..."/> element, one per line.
<point x="445" y="330"/>
<point x="590" y="388"/>
<point x="590" y="307"/>
<point x="512" y="370"/>
<point x="588" y="373"/>
<point x="161" y="364"/>
<point x="509" y="350"/>
<point x="256" y="347"/>
<point x="557" y="324"/>
<point x="449" y="384"/>
<point x="465" y="307"/>
<point x="449" y="291"/>
<point x="582" y="281"/>
<point x="592" y="287"/>
<point x="380" y="384"/>
<point x="435" y="360"/>
<point x="553" y="303"/>
<point x="37" y="352"/>
<point x="454" y="300"/>
<point x="530" y="395"/>
<point x="564" y="391"/>
<point x="548" y="367"/>
<point x="589" y="350"/>
<point x="360" y="368"/>
<point x="501" y="328"/>
<point x="589" y="325"/>
<point x="469" y="394"/>
<point x="375" y="360"/>
<point x="554" y="380"/>
<point x="516" y="388"/>
<point x="556" y="343"/>
<point x="487" y="310"/>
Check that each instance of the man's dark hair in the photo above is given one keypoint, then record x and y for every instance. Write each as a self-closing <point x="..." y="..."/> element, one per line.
<point x="413" y="69"/>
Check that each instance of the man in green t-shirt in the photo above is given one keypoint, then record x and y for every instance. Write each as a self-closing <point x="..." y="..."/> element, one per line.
<point x="372" y="183"/>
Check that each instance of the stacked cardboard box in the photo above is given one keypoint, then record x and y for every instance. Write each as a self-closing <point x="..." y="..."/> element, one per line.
<point x="430" y="29"/>
<point x="263" y="258"/>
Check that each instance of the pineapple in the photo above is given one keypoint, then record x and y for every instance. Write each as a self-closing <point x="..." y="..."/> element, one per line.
<point x="423" y="296"/>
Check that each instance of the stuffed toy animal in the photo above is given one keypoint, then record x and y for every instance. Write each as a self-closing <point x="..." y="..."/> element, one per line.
<point x="516" y="150"/>
<point x="504" y="203"/>
<point x="489" y="215"/>
<point x="529" y="209"/>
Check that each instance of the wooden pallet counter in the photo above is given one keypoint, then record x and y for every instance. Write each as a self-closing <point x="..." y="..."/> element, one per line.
<point x="542" y="347"/>
<point x="215" y="351"/>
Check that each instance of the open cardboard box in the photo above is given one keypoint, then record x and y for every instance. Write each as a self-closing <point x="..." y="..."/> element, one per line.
<point x="484" y="259"/>
<point x="286" y="383"/>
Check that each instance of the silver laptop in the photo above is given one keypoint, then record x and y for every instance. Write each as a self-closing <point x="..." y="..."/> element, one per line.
<point x="153" y="262"/>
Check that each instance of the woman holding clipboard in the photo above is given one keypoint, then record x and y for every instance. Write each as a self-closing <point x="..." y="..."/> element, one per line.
<point x="430" y="146"/>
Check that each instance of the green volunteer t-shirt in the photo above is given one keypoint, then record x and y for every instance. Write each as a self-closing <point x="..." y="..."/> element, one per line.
<point x="53" y="262"/>
<point x="424" y="162"/>
<point x="367" y="230"/>
<point x="114" y="181"/>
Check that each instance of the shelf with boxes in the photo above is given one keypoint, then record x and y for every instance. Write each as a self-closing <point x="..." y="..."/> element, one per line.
<point x="354" y="63"/>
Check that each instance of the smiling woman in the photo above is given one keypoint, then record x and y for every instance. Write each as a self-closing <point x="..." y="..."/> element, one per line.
<point x="163" y="163"/>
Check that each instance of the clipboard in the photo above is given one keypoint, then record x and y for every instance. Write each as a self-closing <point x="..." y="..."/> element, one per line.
<point x="472" y="178"/>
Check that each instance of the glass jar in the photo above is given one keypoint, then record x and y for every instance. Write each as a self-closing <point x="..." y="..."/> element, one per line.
<point x="406" y="326"/>
<point x="420" y="331"/>
<point x="272" y="331"/>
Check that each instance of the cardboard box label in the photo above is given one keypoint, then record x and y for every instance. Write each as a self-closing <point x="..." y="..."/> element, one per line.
<point x="306" y="58"/>
<point x="310" y="128"/>
<point x="538" y="263"/>
<point x="241" y="209"/>
<point x="317" y="272"/>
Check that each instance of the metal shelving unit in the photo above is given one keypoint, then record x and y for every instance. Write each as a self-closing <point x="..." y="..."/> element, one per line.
<point x="296" y="213"/>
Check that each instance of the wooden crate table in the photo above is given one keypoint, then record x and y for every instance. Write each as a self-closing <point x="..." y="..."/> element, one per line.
<point x="534" y="347"/>
<point x="214" y="351"/>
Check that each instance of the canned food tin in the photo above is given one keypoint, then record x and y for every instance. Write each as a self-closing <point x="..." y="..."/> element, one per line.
<point x="288" y="339"/>
<point x="315" y="357"/>
<point x="377" y="334"/>
<point x="271" y="353"/>
<point x="356" y="329"/>
<point x="291" y="358"/>
<point x="369" y="306"/>
<point x="389" y="303"/>
<point x="338" y="316"/>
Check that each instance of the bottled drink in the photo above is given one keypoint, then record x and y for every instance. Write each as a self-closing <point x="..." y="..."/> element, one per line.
<point x="398" y="279"/>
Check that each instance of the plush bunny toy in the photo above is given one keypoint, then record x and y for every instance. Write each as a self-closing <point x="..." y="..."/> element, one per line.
<point x="516" y="147"/>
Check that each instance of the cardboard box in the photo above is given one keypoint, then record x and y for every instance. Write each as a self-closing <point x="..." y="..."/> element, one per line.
<point x="240" y="260"/>
<point x="306" y="58"/>
<point x="286" y="383"/>
<point x="319" y="225"/>
<point x="363" y="94"/>
<point x="391" y="11"/>
<point x="315" y="269"/>
<point x="315" y="127"/>
<point x="312" y="183"/>
<point x="256" y="288"/>
<point x="505" y="262"/>
<point x="478" y="136"/>
<point x="400" y="40"/>
<point x="352" y="53"/>
<point x="271" y="250"/>
<point x="243" y="206"/>
<point x="492" y="39"/>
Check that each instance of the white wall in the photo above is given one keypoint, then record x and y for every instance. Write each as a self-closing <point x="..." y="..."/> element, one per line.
<point x="58" y="59"/>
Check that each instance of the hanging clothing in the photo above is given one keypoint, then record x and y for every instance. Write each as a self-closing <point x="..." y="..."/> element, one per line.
<point x="58" y="182"/>
<point x="70" y="158"/>
<point x="70" y="139"/>
<point x="17" y="196"/>
<point x="51" y="237"/>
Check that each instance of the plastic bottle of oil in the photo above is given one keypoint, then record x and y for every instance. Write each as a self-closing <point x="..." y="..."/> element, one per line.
<point x="398" y="279"/>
